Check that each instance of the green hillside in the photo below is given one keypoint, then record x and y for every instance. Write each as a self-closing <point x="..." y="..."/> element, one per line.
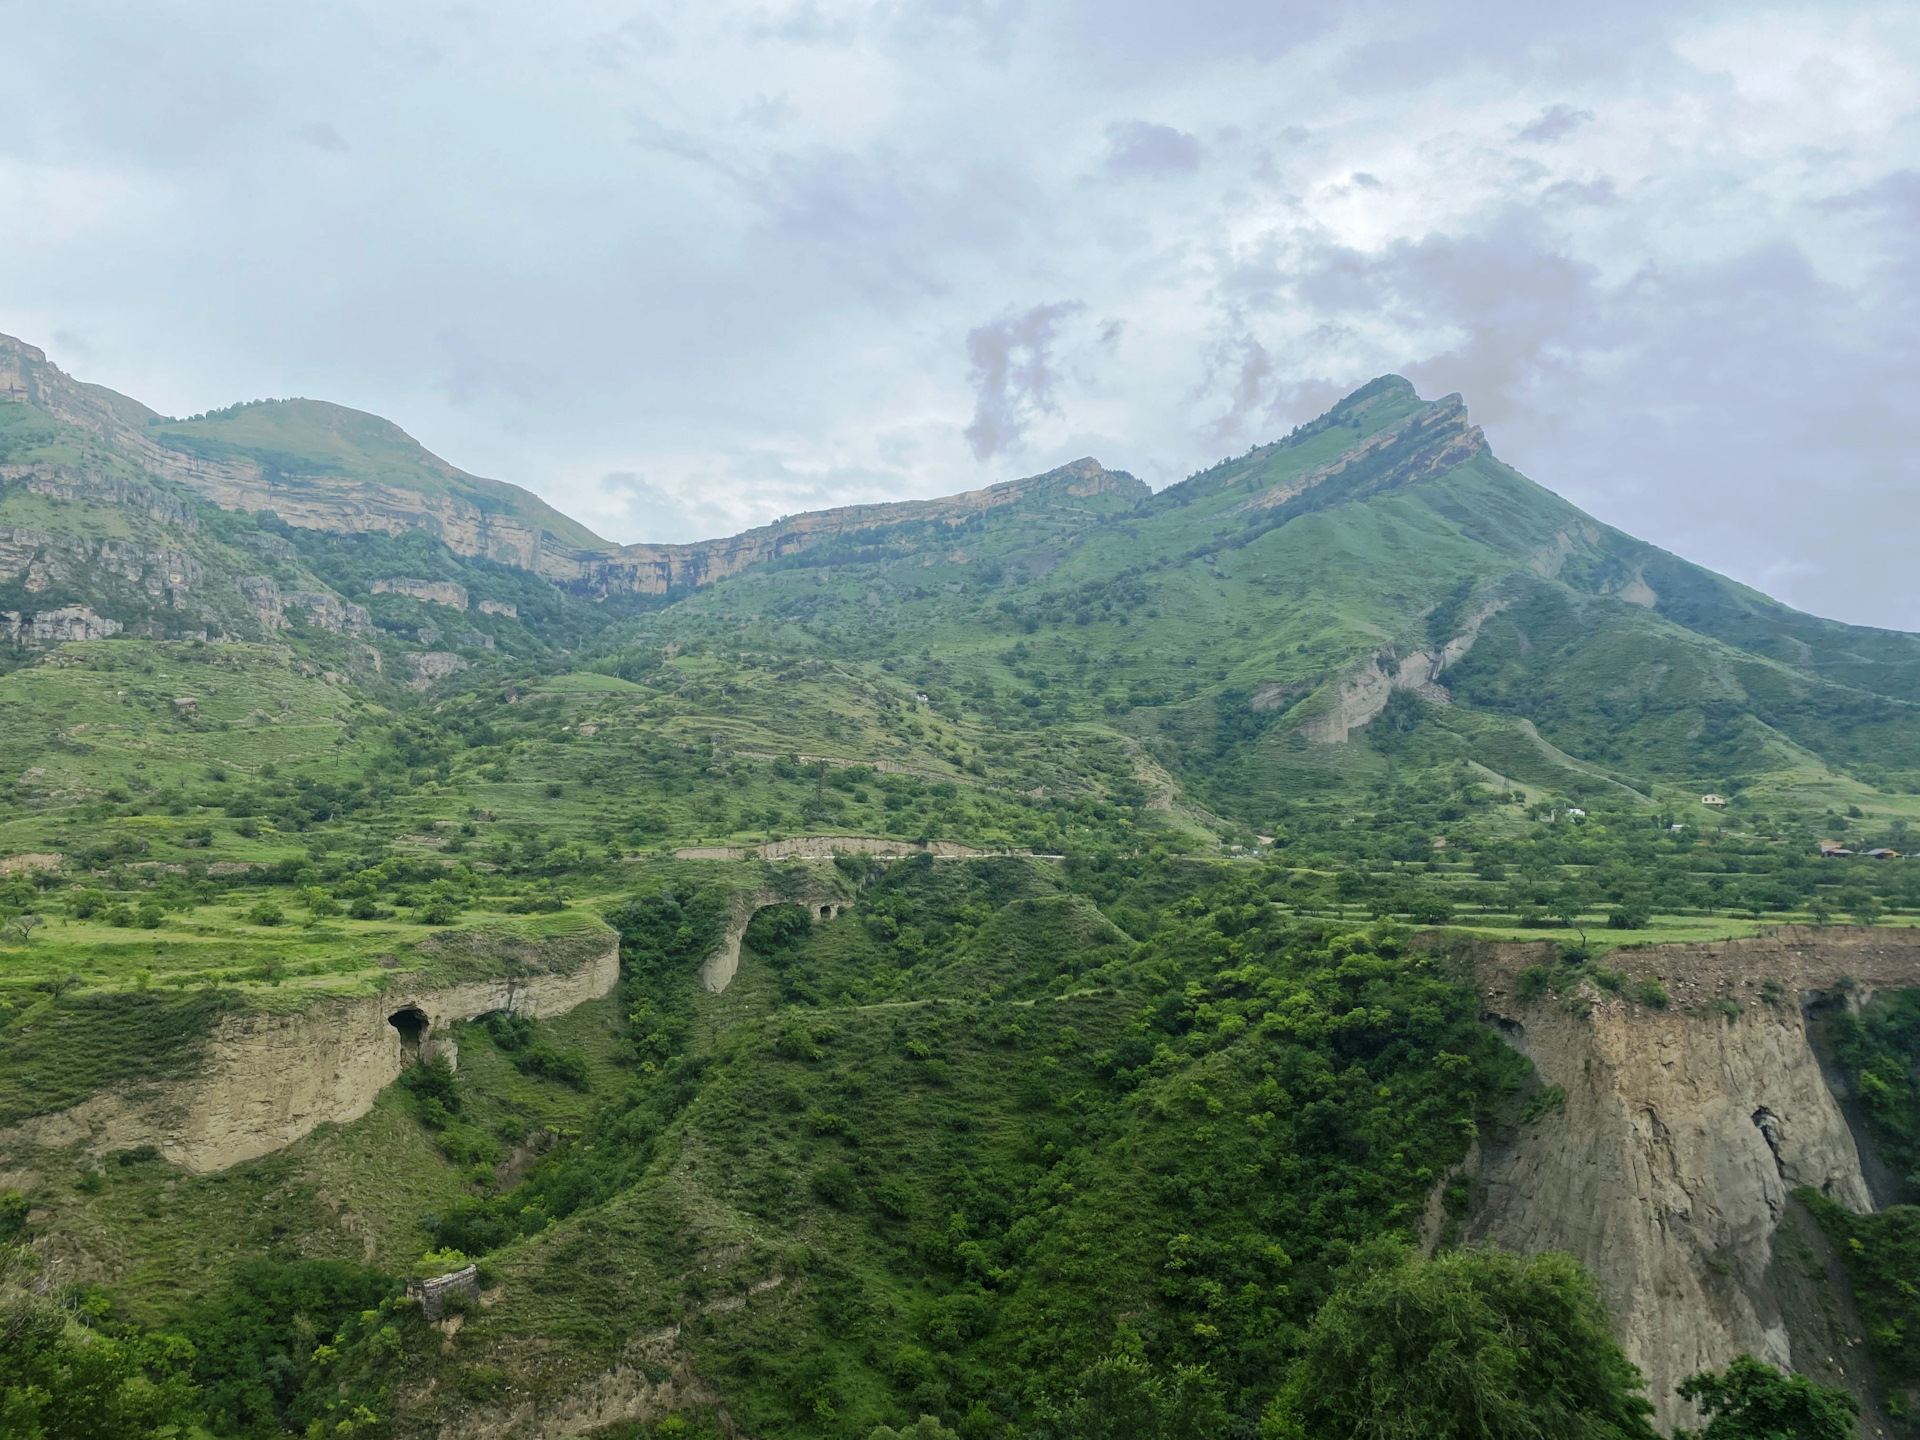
<point x="1119" y="1057"/>
<point x="310" y="443"/>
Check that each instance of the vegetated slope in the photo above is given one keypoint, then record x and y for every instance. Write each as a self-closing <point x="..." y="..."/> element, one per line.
<point x="1361" y="640"/>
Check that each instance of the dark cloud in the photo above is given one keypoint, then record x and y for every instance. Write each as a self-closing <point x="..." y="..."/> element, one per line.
<point x="1138" y="148"/>
<point x="1010" y="365"/>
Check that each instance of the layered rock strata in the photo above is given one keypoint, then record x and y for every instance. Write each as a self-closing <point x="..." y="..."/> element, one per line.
<point x="1668" y="1167"/>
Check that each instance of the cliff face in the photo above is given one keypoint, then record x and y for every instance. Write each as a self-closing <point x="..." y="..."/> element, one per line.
<point x="267" y="1079"/>
<point x="1668" y="1169"/>
<point x="658" y="569"/>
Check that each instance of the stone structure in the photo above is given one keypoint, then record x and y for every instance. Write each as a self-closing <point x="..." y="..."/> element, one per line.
<point x="432" y="1294"/>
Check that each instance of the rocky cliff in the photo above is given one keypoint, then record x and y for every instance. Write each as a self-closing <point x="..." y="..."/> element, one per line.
<point x="1667" y="1144"/>
<point x="324" y="467"/>
<point x="265" y="1079"/>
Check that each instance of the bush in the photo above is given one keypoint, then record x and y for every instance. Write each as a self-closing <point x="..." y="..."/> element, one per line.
<point x="1473" y="1343"/>
<point x="13" y="1215"/>
<point x="568" y="1067"/>
<point x="1753" y="1401"/>
<point x="265" y="913"/>
<point x="509" y="1031"/>
<point x="1652" y="994"/>
<point x="835" y="1184"/>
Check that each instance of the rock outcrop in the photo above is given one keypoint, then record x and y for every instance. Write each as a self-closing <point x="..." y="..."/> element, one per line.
<point x="1669" y="1166"/>
<point x="57" y="627"/>
<point x="433" y="666"/>
<point x="434" y="592"/>
<point x="265" y="1079"/>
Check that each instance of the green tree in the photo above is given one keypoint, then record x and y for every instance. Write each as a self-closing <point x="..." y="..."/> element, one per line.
<point x="927" y="1428"/>
<point x="1475" y="1343"/>
<point x="1754" y="1401"/>
<point x="62" y="1381"/>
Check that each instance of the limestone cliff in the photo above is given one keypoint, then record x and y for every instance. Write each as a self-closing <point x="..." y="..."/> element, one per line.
<point x="265" y="1079"/>
<point x="1669" y="1165"/>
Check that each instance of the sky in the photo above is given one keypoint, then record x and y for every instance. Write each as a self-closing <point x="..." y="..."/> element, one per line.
<point x="684" y="268"/>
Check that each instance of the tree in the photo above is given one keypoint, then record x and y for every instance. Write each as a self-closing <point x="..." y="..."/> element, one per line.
<point x="1471" y="1345"/>
<point x="1754" y="1401"/>
<point x="928" y="1428"/>
<point x="62" y="1381"/>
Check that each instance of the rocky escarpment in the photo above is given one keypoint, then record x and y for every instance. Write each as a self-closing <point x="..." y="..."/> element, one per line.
<point x="659" y="569"/>
<point x="265" y="1079"/>
<point x="484" y="518"/>
<point x="1672" y="1139"/>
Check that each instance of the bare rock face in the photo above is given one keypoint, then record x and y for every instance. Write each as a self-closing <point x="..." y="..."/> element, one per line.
<point x="57" y="627"/>
<point x="434" y="665"/>
<point x="1669" y="1168"/>
<point x="321" y="610"/>
<point x="435" y="592"/>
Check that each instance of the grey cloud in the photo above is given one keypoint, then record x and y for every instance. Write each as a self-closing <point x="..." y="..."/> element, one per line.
<point x="1138" y="148"/>
<point x="1010" y="366"/>
<point x="769" y="112"/>
<point x="323" y="136"/>
<point x="1554" y="123"/>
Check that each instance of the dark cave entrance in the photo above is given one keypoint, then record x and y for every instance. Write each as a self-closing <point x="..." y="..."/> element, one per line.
<point x="412" y="1024"/>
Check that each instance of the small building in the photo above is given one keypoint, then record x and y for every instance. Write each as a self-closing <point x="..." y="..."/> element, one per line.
<point x="1885" y="854"/>
<point x="1717" y="801"/>
<point x="1574" y="812"/>
<point x="1833" y="848"/>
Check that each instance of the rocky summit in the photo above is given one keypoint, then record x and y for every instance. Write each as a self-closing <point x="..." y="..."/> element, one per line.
<point x="1337" y="944"/>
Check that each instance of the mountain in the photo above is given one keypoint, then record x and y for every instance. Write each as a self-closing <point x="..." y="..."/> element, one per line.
<point x="1013" y="958"/>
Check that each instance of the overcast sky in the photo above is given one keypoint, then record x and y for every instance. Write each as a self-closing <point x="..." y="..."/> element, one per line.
<point x="682" y="268"/>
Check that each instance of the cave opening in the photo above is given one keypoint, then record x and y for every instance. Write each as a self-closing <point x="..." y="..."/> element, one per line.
<point x="412" y="1024"/>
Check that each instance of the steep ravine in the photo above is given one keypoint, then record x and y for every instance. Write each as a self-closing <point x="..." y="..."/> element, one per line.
<point x="1670" y="1166"/>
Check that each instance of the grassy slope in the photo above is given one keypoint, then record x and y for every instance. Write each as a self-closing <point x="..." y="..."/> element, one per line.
<point x="311" y="440"/>
<point x="1090" y="675"/>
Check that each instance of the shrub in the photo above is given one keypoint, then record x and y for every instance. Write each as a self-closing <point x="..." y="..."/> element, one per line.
<point x="13" y="1215"/>
<point x="1754" y="1401"/>
<point x="1652" y="994"/>
<point x="1411" y="1347"/>
<point x="265" y="913"/>
<point x="835" y="1184"/>
<point x="568" y="1067"/>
